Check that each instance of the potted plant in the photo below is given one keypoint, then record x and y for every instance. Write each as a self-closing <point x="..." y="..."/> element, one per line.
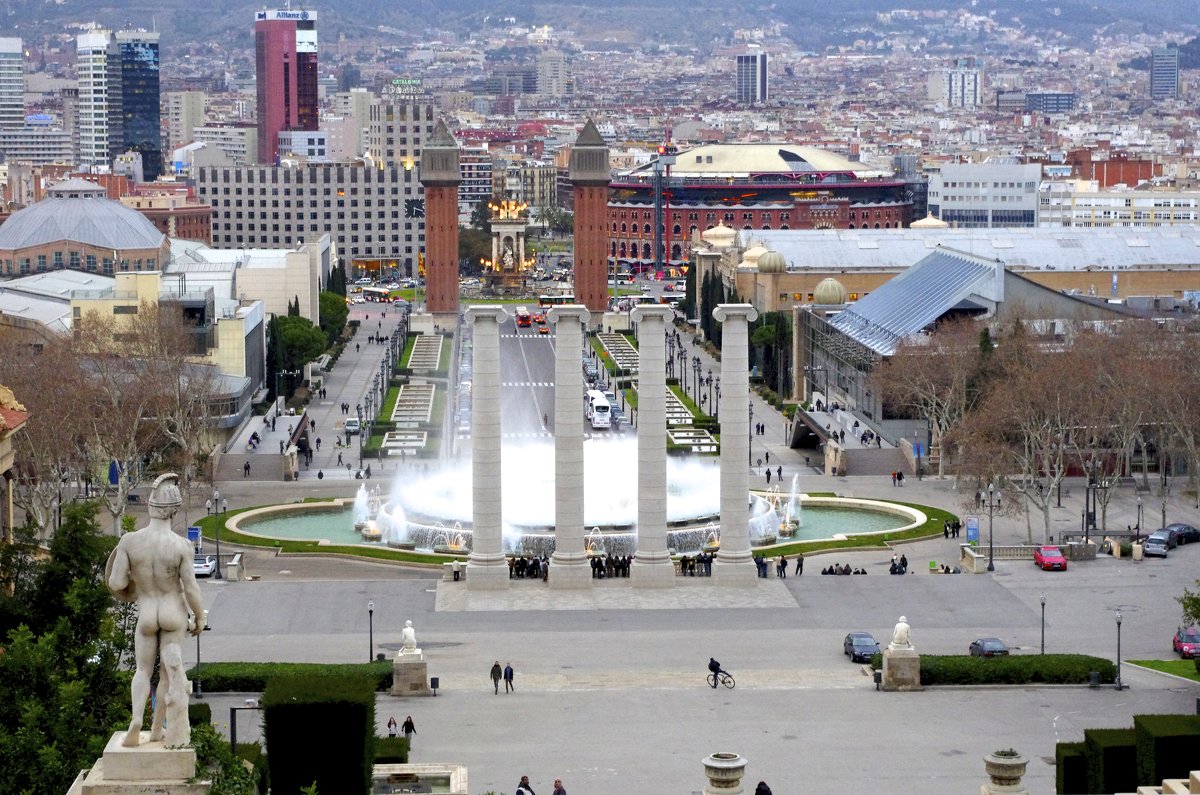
<point x="1005" y="767"/>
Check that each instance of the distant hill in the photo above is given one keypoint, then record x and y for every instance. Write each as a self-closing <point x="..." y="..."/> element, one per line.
<point x="1189" y="57"/>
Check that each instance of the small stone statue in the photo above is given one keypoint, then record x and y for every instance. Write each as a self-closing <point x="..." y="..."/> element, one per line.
<point x="409" y="636"/>
<point x="153" y="567"/>
<point x="900" y="636"/>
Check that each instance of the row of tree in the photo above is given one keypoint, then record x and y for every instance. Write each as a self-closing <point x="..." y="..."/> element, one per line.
<point x="1023" y="409"/>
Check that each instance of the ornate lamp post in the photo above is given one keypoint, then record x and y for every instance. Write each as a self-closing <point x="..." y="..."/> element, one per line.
<point x="708" y="382"/>
<point x="696" y="379"/>
<point x="1119" y="686"/>
<point x="216" y="499"/>
<point x="750" y="433"/>
<point x="717" y="409"/>
<point x="1043" y="600"/>
<point x="1138" y="526"/>
<point x="371" y="630"/>
<point x="991" y="500"/>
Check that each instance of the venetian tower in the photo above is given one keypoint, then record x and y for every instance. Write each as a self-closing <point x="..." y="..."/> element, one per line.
<point x="590" y="177"/>
<point x="440" y="176"/>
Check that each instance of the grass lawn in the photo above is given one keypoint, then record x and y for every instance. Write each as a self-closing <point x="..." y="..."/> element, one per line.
<point x="1183" y="668"/>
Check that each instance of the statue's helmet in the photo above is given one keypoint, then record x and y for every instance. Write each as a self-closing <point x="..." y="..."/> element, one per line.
<point x="165" y="498"/>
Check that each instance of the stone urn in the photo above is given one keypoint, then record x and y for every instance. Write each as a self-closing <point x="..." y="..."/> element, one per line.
<point x="724" y="772"/>
<point x="1005" y="769"/>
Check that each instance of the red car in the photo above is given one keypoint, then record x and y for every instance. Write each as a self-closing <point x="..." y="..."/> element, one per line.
<point x="1050" y="559"/>
<point x="1186" y="642"/>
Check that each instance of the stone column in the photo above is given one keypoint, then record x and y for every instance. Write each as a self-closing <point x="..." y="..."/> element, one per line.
<point x="652" y="567"/>
<point x="487" y="568"/>
<point x="735" y="563"/>
<point x="569" y="565"/>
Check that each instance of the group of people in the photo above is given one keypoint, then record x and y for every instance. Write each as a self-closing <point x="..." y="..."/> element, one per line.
<point x="255" y="441"/>
<point x="528" y="568"/>
<point x="507" y="673"/>
<point x="760" y="429"/>
<point x="781" y="564"/>
<point x="943" y="568"/>
<point x="897" y="478"/>
<point x="693" y="565"/>
<point x="899" y="565"/>
<point x="951" y="529"/>
<point x="524" y="787"/>
<point x="843" y="568"/>
<point x="408" y="727"/>
<point x="611" y="566"/>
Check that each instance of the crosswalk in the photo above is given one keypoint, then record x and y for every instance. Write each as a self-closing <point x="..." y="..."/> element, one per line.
<point x="526" y="435"/>
<point x="533" y="384"/>
<point x="526" y="336"/>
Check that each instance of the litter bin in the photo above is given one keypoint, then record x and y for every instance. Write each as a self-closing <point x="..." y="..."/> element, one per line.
<point x="1093" y="679"/>
<point x="434" y="682"/>
<point x="380" y="657"/>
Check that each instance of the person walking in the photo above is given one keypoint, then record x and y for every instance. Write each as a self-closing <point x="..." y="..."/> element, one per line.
<point x="246" y="470"/>
<point x="778" y="472"/>
<point x="508" y="679"/>
<point x="768" y="476"/>
<point x="496" y="674"/>
<point x="523" y="788"/>
<point x="559" y="789"/>
<point x="762" y="789"/>
<point x="339" y="463"/>
<point x="799" y="564"/>
<point x="391" y="726"/>
<point x="409" y="728"/>
<point x="318" y="444"/>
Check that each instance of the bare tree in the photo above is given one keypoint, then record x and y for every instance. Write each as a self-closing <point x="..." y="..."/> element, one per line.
<point x="933" y="377"/>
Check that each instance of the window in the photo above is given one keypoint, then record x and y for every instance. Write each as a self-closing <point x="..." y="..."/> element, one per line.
<point x="125" y="310"/>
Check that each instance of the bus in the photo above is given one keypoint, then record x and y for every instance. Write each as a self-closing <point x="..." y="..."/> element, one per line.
<point x="597" y="409"/>
<point x="377" y="294"/>
<point x="524" y="319"/>
<point x="555" y="300"/>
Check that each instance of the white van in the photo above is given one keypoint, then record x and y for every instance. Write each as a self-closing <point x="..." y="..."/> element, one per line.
<point x="353" y="425"/>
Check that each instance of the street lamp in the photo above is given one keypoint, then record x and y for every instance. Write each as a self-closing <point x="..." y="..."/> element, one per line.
<point x="216" y="499"/>
<point x="696" y="379"/>
<point x="1138" y="526"/>
<point x="991" y="500"/>
<point x="717" y="407"/>
<point x="1118" y="684"/>
<point x="708" y="383"/>
<point x="1043" y="623"/>
<point x="750" y="439"/>
<point x="197" y="690"/>
<point x="371" y="630"/>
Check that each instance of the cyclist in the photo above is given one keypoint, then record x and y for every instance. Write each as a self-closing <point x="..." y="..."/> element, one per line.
<point x="716" y="669"/>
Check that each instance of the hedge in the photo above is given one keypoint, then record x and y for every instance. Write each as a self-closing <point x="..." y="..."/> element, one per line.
<point x="1166" y="746"/>
<point x="252" y="753"/>
<point x="253" y="677"/>
<point x="320" y="730"/>
<point x="1111" y="760"/>
<point x="391" y="750"/>
<point x="1070" y="771"/>
<point x="199" y="713"/>
<point x="1022" y="669"/>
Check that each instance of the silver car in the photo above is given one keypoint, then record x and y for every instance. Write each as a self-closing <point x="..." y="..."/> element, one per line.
<point x="1156" y="546"/>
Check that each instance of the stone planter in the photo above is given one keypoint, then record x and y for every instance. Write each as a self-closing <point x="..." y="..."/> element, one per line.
<point x="724" y="772"/>
<point x="1005" y="768"/>
<point x="1137" y="552"/>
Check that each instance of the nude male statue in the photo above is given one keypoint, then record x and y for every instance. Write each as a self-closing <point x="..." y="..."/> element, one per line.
<point x="153" y="567"/>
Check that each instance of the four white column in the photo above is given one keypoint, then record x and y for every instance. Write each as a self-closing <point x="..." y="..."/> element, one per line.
<point x="652" y="566"/>
<point x="487" y="568"/>
<point x="569" y="565"/>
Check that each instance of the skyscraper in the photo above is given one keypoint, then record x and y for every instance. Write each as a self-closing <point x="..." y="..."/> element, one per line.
<point x="752" y="76"/>
<point x="12" y="84"/>
<point x="960" y="86"/>
<point x="1164" y="73"/>
<point x="285" y="52"/>
<point x="140" y="118"/>
<point x="92" y="76"/>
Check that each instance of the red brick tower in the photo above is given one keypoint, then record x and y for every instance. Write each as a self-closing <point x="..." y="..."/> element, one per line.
<point x="440" y="177"/>
<point x="590" y="177"/>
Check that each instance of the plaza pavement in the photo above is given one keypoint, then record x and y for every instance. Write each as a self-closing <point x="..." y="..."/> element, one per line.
<point x="611" y="695"/>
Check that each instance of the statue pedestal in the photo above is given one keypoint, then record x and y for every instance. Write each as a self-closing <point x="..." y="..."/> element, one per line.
<point x="410" y="675"/>
<point x="144" y="770"/>
<point x="901" y="669"/>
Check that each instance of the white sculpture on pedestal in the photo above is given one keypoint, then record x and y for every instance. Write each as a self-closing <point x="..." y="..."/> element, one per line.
<point x="408" y="643"/>
<point x="901" y="636"/>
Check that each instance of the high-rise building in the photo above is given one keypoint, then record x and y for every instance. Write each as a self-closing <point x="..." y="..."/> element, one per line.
<point x="285" y="52"/>
<point x="140" y="117"/>
<point x="12" y="84"/>
<point x="185" y="112"/>
<point x="554" y="75"/>
<point x="1164" y="73"/>
<point x="751" y="76"/>
<point x="959" y="86"/>
<point x="92" y="68"/>
<point x="998" y="192"/>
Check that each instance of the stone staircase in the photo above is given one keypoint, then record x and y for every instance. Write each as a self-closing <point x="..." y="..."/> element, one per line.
<point x="875" y="461"/>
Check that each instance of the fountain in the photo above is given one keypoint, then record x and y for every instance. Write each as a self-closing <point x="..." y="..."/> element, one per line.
<point x="792" y="519"/>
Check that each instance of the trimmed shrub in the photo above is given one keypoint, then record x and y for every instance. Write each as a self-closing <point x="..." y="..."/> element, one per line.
<point x="1022" y="669"/>
<point x="252" y="753"/>
<point x="1166" y="746"/>
<point x="1111" y="760"/>
<point x="1070" y="774"/>
<point x="199" y="713"/>
<point x="319" y="729"/>
<point x="252" y="677"/>
<point x="391" y="751"/>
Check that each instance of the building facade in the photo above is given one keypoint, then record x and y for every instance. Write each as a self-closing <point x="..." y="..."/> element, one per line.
<point x="92" y="73"/>
<point x="959" y="86"/>
<point x="12" y="84"/>
<point x="140" y="128"/>
<point x="995" y="193"/>
<point x="751" y="86"/>
<point x="1164" y="73"/>
<point x="285" y="58"/>
<point x="185" y="112"/>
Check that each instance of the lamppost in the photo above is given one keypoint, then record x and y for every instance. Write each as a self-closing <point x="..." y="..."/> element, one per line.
<point x="991" y="500"/>
<point x="216" y="499"/>
<point x="371" y="630"/>
<point x="197" y="690"/>
<point x="696" y="379"/>
<point x="708" y="383"/>
<point x="1138" y="526"/>
<point x="681" y="355"/>
<point x="1118" y="683"/>
<point x="717" y="408"/>
<point x="1043" y="600"/>
<point x="750" y="434"/>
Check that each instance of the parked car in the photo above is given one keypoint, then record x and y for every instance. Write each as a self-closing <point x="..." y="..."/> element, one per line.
<point x="1172" y="536"/>
<point x="1050" y="559"/>
<point x="1186" y="642"/>
<point x="204" y="565"/>
<point x="1187" y="533"/>
<point x="1156" y="546"/>
<point x="988" y="647"/>
<point x="860" y="646"/>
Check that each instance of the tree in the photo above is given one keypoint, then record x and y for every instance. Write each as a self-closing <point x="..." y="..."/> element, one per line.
<point x="481" y="216"/>
<point x="300" y="341"/>
<point x="334" y="313"/>
<point x="1190" y="602"/>
<point x="337" y="280"/>
<point x="473" y="245"/>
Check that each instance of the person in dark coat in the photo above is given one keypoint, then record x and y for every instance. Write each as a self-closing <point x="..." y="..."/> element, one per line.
<point x="762" y="789"/>
<point x="496" y="674"/>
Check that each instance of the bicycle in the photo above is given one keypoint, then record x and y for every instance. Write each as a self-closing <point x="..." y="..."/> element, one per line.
<point x="722" y="677"/>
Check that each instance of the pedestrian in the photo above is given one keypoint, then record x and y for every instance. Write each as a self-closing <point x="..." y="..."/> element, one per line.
<point x="509" y="687"/>
<point x="762" y="789"/>
<point x="391" y="724"/>
<point x="208" y="507"/>
<point x="224" y="505"/>
<point x="768" y="476"/>
<point x="318" y="444"/>
<point x="357" y="347"/>
<point x="281" y="443"/>
<point x="767" y="456"/>
<point x="779" y="473"/>
<point x="339" y="463"/>
<point x="409" y="728"/>
<point x="312" y="424"/>
<point x="893" y="479"/>
<point x="799" y="564"/>
<point x="456" y="567"/>
<point x="496" y="674"/>
<point x="558" y="787"/>
<point x="246" y="469"/>
<point x="946" y="528"/>
<point x="272" y="423"/>
<point x="523" y="788"/>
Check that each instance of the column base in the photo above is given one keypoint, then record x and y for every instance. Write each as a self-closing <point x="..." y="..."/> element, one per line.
<point x="573" y="576"/>
<point x="483" y="577"/>
<point x="657" y="574"/>
<point x="740" y="573"/>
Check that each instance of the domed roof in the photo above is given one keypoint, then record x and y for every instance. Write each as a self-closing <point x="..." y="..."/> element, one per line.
<point x="829" y="292"/>
<point x="94" y="221"/>
<point x="772" y="262"/>
<point x="929" y="222"/>
<point x="720" y="236"/>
